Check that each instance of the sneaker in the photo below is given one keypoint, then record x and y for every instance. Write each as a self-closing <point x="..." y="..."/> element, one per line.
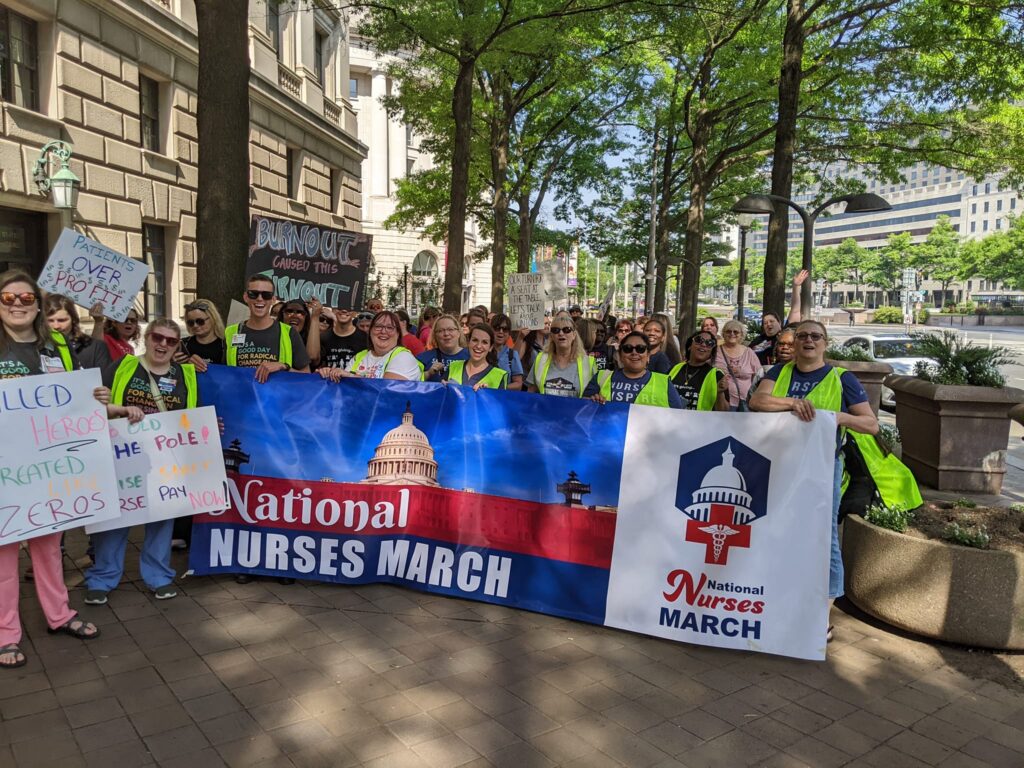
<point x="166" y="592"/>
<point x="95" y="597"/>
<point x="178" y="544"/>
<point x="244" y="578"/>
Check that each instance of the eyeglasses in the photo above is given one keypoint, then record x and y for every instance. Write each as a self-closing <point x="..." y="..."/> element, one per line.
<point x="265" y="295"/>
<point x="731" y="333"/>
<point x="385" y="328"/>
<point x="565" y="329"/>
<point x="27" y="299"/>
<point x="704" y="341"/>
<point x="198" y="322"/>
<point x="812" y="335"/>
<point x="628" y="348"/>
<point x="159" y="338"/>
<point x="202" y="306"/>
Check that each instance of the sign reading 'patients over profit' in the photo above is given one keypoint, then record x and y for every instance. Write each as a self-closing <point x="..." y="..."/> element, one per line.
<point x="306" y="261"/>
<point x="168" y="465"/>
<point x="55" y="467"/>
<point x="526" y="300"/>
<point x="89" y="272"/>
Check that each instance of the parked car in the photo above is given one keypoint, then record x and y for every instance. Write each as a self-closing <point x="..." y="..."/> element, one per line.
<point x="899" y="351"/>
<point x="751" y="314"/>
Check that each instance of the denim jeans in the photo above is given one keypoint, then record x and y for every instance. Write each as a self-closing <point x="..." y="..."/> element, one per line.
<point x="154" y="559"/>
<point x="835" y="562"/>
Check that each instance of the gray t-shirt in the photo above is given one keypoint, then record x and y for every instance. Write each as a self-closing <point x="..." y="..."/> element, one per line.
<point x="24" y="358"/>
<point x="561" y="382"/>
<point x="253" y="347"/>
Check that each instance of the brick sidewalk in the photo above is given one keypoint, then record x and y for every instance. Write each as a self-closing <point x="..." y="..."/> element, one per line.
<point x="317" y="675"/>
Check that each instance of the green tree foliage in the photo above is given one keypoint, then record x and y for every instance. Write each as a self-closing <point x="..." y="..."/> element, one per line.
<point x="885" y="267"/>
<point x="999" y="256"/>
<point x="940" y="257"/>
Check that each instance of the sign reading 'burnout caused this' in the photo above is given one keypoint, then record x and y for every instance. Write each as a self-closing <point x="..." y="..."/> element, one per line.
<point x="57" y="474"/>
<point x="168" y="465"/>
<point x="90" y="273"/>
<point x="306" y="261"/>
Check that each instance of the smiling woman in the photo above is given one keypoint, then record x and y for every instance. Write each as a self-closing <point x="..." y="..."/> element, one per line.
<point x="385" y="359"/>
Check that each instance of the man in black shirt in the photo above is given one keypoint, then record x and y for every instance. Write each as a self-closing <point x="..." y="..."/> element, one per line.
<point x="335" y="347"/>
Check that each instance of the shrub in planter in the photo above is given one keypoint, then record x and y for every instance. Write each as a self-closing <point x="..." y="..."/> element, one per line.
<point x="869" y="373"/>
<point x="921" y="316"/>
<point x="888" y="315"/>
<point x="960" y="362"/>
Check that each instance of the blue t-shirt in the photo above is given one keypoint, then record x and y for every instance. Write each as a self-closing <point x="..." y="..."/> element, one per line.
<point x="427" y="359"/>
<point x="509" y="362"/>
<point x="625" y="390"/>
<point x="802" y="383"/>
<point x="659" y="363"/>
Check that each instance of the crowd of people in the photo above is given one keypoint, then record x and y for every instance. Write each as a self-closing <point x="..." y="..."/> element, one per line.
<point x="609" y="360"/>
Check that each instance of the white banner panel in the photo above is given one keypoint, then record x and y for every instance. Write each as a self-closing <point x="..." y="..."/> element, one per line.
<point x="723" y="530"/>
<point x="56" y="471"/>
<point x="168" y="465"/>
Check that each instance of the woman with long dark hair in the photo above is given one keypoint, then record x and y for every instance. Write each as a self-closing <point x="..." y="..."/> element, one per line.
<point x="119" y="335"/>
<point x="481" y="370"/>
<point x="295" y="313"/>
<point x="29" y="348"/>
<point x="633" y="382"/>
<point x="62" y="316"/>
<point x="508" y="358"/>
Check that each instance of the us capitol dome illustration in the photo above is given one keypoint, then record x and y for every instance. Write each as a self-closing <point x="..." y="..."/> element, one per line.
<point x="722" y="486"/>
<point x="403" y="457"/>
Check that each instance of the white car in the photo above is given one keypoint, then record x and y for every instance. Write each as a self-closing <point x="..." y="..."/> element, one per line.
<point x="899" y="351"/>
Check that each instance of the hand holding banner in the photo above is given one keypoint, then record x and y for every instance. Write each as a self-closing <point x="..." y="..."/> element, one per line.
<point x="58" y="475"/>
<point x="168" y="465"/>
<point x="88" y="273"/>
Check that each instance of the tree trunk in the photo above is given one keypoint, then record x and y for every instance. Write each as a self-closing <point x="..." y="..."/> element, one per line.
<point x="462" y="114"/>
<point x="523" y="245"/>
<point x="693" y="250"/>
<point x="662" y="247"/>
<point x="499" y="125"/>
<point x="223" y="106"/>
<point x="790" y="78"/>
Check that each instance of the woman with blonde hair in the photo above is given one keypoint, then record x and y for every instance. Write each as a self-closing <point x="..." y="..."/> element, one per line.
<point x="206" y="344"/>
<point x="564" y="368"/>
<point x="738" y="362"/>
<point x="446" y="344"/>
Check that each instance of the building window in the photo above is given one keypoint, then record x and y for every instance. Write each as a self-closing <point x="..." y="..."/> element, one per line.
<point x="320" y="56"/>
<point x="294" y="162"/>
<point x="149" y="112"/>
<point x="999" y="223"/>
<point x="353" y="88"/>
<point x="336" y="193"/>
<point x="985" y="209"/>
<point x="974" y="208"/>
<point x="274" y="25"/>
<point x="154" y="253"/>
<point x="999" y="205"/>
<point x="424" y="266"/>
<point x="988" y="188"/>
<point x="984" y="226"/>
<point x="1013" y="203"/>
<point x="974" y="226"/>
<point x="19" y="60"/>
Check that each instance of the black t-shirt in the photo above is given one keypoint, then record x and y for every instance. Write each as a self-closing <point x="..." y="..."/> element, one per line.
<point x="211" y="352"/>
<point x="91" y="353"/>
<point x="25" y="358"/>
<point x="337" y="351"/>
<point x="255" y="346"/>
<point x="139" y="391"/>
<point x="690" y="379"/>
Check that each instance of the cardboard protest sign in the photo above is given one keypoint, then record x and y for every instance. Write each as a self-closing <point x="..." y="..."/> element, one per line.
<point x="306" y="261"/>
<point x="56" y="470"/>
<point x="237" y="313"/>
<point x="553" y="274"/>
<point x="88" y="272"/>
<point x="168" y="465"/>
<point x="526" y="300"/>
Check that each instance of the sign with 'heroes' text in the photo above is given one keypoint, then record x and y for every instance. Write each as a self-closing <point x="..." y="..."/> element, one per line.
<point x="56" y="470"/>
<point x="89" y="272"/>
<point x="168" y="465"/>
<point x="307" y="261"/>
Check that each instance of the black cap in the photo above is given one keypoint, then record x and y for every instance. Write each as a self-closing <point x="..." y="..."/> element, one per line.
<point x="575" y="308"/>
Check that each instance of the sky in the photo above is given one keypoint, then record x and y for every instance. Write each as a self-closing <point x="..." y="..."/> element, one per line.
<point x="509" y="444"/>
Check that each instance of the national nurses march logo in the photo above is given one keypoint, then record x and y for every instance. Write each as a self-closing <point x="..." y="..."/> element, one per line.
<point x="732" y="494"/>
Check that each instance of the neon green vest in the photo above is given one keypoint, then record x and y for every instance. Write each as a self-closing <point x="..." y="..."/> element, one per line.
<point x="126" y="369"/>
<point x="357" y="358"/>
<point x="284" y="354"/>
<point x="495" y="378"/>
<point x="654" y="392"/>
<point x="542" y="365"/>
<point x="895" y="482"/>
<point x="708" y="395"/>
<point x="62" y="349"/>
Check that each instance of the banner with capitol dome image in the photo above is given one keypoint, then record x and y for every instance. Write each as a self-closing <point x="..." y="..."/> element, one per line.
<point x="548" y="504"/>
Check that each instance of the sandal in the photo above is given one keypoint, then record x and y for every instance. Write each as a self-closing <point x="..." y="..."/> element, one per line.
<point x="76" y="627"/>
<point x="828" y="635"/>
<point x="13" y="648"/>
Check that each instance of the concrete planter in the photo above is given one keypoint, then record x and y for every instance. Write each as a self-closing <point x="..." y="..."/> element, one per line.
<point x="954" y="438"/>
<point x="870" y="375"/>
<point x="945" y="591"/>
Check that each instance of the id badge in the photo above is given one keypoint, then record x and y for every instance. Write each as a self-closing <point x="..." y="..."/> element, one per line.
<point x="51" y="364"/>
<point x="166" y="384"/>
<point x="238" y="340"/>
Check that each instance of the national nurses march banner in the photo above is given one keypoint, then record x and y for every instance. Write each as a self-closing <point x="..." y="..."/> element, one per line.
<point x="697" y="527"/>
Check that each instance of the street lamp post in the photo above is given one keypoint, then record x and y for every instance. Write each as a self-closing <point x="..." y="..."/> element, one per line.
<point x="864" y="202"/>
<point x="745" y="220"/>
<point x="63" y="185"/>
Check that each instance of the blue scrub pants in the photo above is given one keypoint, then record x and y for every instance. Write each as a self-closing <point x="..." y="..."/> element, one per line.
<point x="835" y="561"/>
<point x="154" y="560"/>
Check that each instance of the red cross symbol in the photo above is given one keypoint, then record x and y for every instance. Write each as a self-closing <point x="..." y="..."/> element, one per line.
<point x="721" y="515"/>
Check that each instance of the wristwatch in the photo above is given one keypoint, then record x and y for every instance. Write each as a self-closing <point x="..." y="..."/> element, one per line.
<point x="286" y="366"/>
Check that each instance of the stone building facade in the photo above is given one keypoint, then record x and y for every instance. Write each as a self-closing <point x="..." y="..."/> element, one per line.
<point x="116" y="79"/>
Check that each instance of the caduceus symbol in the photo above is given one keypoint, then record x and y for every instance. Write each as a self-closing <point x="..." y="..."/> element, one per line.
<point x="718" y="534"/>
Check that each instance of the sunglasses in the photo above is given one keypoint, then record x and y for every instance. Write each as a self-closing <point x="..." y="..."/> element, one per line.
<point x="704" y="341"/>
<point x="503" y="329"/>
<point x="265" y="295"/>
<point x="202" y="306"/>
<point x="26" y="299"/>
<point x="628" y="348"/>
<point x="198" y="322"/>
<point x="813" y="336"/>
<point x="566" y="329"/>
<point x="732" y="333"/>
<point x="294" y="310"/>
<point x="159" y="338"/>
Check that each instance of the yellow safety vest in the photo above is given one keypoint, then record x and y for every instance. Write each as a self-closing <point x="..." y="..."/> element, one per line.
<point x="357" y="358"/>
<point x="130" y="363"/>
<point x="495" y="378"/>
<point x="284" y="354"/>
<point x="708" y="395"/>
<point x="62" y="349"/>
<point x="654" y="392"/>
<point x="542" y="365"/>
